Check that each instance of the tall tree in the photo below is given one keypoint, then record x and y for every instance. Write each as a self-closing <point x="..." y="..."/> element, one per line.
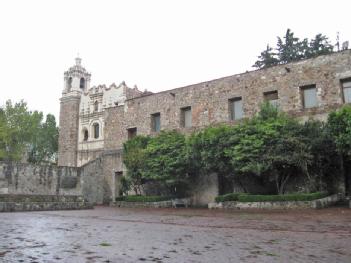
<point x="134" y="157"/>
<point x="167" y="161"/>
<point x="290" y="48"/>
<point x="339" y="125"/>
<point x="44" y="145"/>
<point x="320" y="46"/>
<point x="266" y="59"/>
<point x="20" y="126"/>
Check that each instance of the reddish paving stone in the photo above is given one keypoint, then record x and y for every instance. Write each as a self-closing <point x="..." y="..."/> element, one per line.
<point x="176" y="235"/>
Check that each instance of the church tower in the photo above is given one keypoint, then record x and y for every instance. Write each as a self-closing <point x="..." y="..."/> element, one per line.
<point x="76" y="82"/>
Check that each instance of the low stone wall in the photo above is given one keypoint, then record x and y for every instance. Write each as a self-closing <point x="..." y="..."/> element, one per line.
<point x="18" y="203"/>
<point x="162" y="204"/>
<point x="319" y="203"/>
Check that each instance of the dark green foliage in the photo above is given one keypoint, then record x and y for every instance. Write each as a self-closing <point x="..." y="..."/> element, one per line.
<point x="286" y="197"/>
<point x="167" y="161"/>
<point x="228" y="197"/>
<point x="134" y="159"/>
<point x="142" y="198"/>
<point x="45" y="143"/>
<point x="339" y="125"/>
<point x="290" y="48"/>
<point x="206" y="150"/>
<point x="271" y="148"/>
<point x="267" y="58"/>
<point x="22" y="131"/>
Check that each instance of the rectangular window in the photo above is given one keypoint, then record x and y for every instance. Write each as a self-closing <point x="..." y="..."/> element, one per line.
<point x="186" y="118"/>
<point x="309" y="96"/>
<point x="156" y="122"/>
<point x="132" y="132"/>
<point x="236" y="108"/>
<point x="271" y="97"/>
<point x="346" y="90"/>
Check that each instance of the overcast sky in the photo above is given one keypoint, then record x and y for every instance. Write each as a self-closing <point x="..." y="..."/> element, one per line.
<point x="156" y="45"/>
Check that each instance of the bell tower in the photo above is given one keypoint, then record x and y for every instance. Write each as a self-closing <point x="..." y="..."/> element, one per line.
<point x="76" y="82"/>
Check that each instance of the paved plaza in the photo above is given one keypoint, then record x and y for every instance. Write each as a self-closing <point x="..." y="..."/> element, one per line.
<point x="176" y="235"/>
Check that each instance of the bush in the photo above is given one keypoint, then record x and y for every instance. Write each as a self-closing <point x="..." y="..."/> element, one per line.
<point x="287" y="197"/>
<point x="228" y="197"/>
<point x="142" y="198"/>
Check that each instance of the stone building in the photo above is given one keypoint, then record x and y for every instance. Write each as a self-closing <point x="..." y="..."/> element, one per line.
<point x="94" y="122"/>
<point x="82" y="115"/>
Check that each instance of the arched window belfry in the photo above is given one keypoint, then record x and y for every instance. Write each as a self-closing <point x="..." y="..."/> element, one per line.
<point x="82" y="84"/>
<point x="96" y="130"/>
<point x="69" y="84"/>
<point x="85" y="135"/>
<point x="96" y="106"/>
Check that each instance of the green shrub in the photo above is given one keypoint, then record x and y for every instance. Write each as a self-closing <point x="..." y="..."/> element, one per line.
<point x="142" y="198"/>
<point x="228" y="197"/>
<point x="287" y="197"/>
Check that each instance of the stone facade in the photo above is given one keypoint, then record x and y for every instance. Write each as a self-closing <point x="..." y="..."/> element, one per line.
<point x="82" y="115"/>
<point x="19" y="179"/>
<point x="27" y="179"/>
<point x="210" y="103"/>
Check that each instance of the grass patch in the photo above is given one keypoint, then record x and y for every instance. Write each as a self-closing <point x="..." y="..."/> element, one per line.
<point x="269" y="198"/>
<point x="143" y="198"/>
<point x="105" y="244"/>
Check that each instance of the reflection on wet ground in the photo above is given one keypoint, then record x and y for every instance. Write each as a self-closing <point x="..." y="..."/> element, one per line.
<point x="176" y="235"/>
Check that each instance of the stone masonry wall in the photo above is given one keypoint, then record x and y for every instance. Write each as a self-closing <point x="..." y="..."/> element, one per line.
<point x="16" y="178"/>
<point x="68" y="135"/>
<point x="209" y="101"/>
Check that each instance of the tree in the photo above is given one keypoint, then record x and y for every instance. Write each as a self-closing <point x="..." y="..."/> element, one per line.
<point x="269" y="146"/>
<point x="320" y="46"/>
<point x="339" y="126"/>
<point x="290" y="48"/>
<point x="44" y="146"/>
<point x="266" y="59"/>
<point x="206" y="150"/>
<point x="323" y="168"/>
<point x="22" y="132"/>
<point x="167" y="161"/>
<point x="134" y="158"/>
<point x="19" y="128"/>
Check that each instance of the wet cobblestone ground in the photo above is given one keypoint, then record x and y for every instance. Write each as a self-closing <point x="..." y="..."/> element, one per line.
<point x="176" y="235"/>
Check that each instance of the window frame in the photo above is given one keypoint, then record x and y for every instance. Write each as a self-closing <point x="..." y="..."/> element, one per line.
<point x="231" y="106"/>
<point x="302" y="94"/>
<point x="96" y="130"/>
<point x="85" y="135"/>
<point x="96" y="106"/>
<point x="132" y="132"/>
<point x="82" y="83"/>
<point x="154" y="126"/>
<point x="267" y="97"/>
<point x="183" y="115"/>
<point x="342" y="81"/>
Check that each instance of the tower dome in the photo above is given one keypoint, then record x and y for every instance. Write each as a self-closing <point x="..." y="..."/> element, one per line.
<point x="76" y="78"/>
